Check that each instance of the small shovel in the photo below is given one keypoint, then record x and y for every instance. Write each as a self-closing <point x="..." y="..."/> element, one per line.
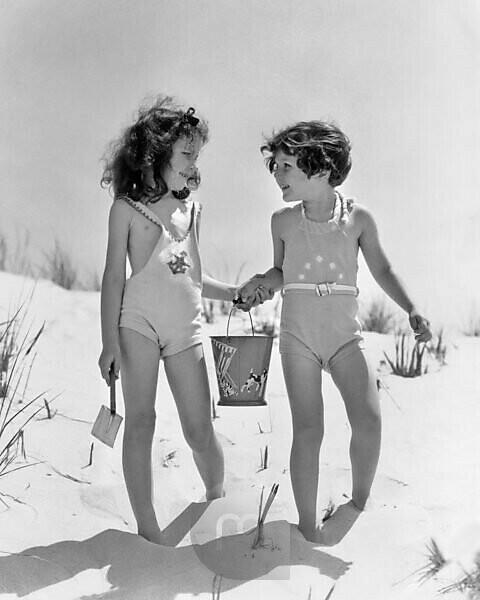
<point x="108" y="421"/>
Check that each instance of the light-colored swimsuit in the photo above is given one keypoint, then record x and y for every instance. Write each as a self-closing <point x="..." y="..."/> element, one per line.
<point x="321" y="328"/>
<point x="163" y="300"/>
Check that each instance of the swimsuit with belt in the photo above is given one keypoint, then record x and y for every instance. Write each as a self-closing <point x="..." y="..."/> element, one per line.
<point x="319" y="310"/>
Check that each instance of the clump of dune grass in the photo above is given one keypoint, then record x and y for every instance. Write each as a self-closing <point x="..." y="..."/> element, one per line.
<point x="267" y="324"/>
<point x="377" y="317"/>
<point x="408" y="361"/>
<point x="472" y="327"/>
<point x="438" y="349"/>
<point x="16" y="410"/>
<point x="259" y="539"/>
<point x="208" y="310"/>
<point x="14" y="254"/>
<point x="328" y="512"/>
<point x="59" y="267"/>
<point x="264" y="459"/>
<point x="15" y="257"/>
<point x="468" y="584"/>
<point x="93" y="282"/>
<point x="3" y="252"/>
<point x="435" y="562"/>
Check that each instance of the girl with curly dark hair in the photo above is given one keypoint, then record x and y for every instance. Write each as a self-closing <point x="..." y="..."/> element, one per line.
<point x="156" y="313"/>
<point x="315" y="248"/>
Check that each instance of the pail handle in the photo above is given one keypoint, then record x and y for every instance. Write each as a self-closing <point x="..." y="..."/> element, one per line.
<point x="230" y="314"/>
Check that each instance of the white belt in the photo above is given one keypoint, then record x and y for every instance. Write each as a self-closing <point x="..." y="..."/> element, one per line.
<point x="321" y="289"/>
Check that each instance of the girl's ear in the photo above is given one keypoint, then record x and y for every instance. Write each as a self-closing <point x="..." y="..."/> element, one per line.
<point x="323" y="175"/>
<point x="148" y="178"/>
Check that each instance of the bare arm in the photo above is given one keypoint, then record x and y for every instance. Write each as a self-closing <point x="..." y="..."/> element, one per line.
<point x="274" y="276"/>
<point x="271" y="280"/>
<point x="113" y="283"/>
<point x="384" y="275"/>
<point x="217" y="290"/>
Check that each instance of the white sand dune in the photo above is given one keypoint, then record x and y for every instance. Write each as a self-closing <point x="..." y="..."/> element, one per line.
<point x="67" y="531"/>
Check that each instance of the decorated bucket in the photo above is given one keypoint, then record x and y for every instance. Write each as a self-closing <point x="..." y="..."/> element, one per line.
<point x="241" y="365"/>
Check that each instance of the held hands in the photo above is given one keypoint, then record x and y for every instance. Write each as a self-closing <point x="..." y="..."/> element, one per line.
<point x="420" y="326"/>
<point x="109" y="359"/>
<point x="252" y="293"/>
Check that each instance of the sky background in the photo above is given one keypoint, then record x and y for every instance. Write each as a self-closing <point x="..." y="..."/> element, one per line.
<point x="400" y="77"/>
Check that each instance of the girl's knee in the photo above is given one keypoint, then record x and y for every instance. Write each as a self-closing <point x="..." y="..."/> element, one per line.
<point x="309" y="431"/>
<point x="199" y="437"/>
<point x="140" y="423"/>
<point x="370" y="421"/>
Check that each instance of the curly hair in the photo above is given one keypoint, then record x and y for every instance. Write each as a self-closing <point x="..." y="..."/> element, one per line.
<point x="319" y="146"/>
<point x="148" y="144"/>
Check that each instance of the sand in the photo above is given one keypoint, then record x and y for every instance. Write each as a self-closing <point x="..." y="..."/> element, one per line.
<point x="67" y="531"/>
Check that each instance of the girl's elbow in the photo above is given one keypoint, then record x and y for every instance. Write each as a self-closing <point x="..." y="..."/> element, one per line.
<point x="383" y="275"/>
<point x="113" y="278"/>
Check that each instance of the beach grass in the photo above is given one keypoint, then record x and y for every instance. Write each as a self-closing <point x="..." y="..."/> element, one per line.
<point x="377" y="317"/>
<point x="267" y="324"/>
<point x="468" y="584"/>
<point x="437" y="348"/>
<point x="472" y="326"/>
<point x="16" y="409"/>
<point x="409" y="361"/>
<point x="328" y="512"/>
<point x="14" y="254"/>
<point x="434" y="564"/>
<point x="58" y="266"/>
<point x="259" y="540"/>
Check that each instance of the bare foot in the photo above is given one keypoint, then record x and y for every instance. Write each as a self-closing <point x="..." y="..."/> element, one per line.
<point x="311" y="534"/>
<point x="339" y="524"/>
<point x="363" y="505"/>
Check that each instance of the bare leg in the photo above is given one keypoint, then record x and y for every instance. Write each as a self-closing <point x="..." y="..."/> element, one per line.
<point x="356" y="382"/>
<point x="187" y="376"/>
<point x="139" y="373"/>
<point x="303" y="379"/>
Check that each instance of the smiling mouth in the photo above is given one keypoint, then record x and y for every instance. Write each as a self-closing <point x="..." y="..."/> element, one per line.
<point x="284" y="187"/>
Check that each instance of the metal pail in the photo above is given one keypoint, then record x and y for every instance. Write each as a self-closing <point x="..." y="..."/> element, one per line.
<point x="241" y="365"/>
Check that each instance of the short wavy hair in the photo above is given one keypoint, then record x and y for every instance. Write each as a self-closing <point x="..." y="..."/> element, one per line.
<point x="148" y="143"/>
<point x="319" y="146"/>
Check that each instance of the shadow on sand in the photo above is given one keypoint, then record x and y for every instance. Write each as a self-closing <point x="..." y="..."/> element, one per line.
<point x="138" y="569"/>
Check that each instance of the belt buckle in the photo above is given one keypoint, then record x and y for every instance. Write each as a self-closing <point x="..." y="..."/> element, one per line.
<point x="323" y="289"/>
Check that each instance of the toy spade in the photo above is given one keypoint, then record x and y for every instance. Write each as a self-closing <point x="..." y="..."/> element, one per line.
<point x="108" y="421"/>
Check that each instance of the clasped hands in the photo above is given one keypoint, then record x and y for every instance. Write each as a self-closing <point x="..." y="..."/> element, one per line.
<point x="253" y="292"/>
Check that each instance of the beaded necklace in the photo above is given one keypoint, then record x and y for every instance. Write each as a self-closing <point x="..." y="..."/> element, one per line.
<point x="151" y="216"/>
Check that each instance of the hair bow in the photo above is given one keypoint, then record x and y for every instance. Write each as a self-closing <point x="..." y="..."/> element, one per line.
<point x="189" y="118"/>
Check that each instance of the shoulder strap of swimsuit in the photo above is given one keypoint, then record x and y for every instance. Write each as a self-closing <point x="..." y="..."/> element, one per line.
<point x="151" y="216"/>
<point x="144" y="210"/>
<point x="346" y="207"/>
